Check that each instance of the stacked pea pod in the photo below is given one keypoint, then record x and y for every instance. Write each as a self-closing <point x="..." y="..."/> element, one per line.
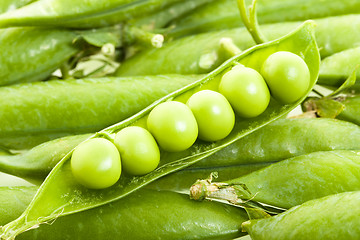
<point x="89" y="105"/>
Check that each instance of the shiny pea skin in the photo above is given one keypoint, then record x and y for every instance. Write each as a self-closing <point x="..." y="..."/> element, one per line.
<point x="213" y="113"/>
<point x="95" y="163"/>
<point x="138" y="150"/>
<point x="173" y="125"/>
<point x="287" y="76"/>
<point x="246" y="91"/>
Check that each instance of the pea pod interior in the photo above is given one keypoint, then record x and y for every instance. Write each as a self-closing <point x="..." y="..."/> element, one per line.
<point x="61" y="195"/>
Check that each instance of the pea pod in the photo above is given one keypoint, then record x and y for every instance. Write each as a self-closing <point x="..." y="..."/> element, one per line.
<point x="332" y="217"/>
<point x="296" y="180"/>
<point x="335" y="69"/>
<point x="80" y="14"/>
<point x="204" y="52"/>
<point x="167" y="215"/>
<point x="36" y="163"/>
<point x="289" y="138"/>
<point x="224" y="14"/>
<point x="351" y="111"/>
<point x="35" y="54"/>
<point x="60" y="194"/>
<point x="74" y="107"/>
<point x="162" y="18"/>
<point x="14" y="201"/>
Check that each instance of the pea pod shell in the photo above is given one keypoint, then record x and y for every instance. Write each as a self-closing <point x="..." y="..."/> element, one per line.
<point x="161" y="18"/>
<point x="203" y="52"/>
<point x="296" y="180"/>
<point x="80" y="14"/>
<point x="30" y="54"/>
<point x="36" y="163"/>
<point x="288" y="138"/>
<point x="61" y="195"/>
<point x="351" y="111"/>
<point x="333" y="217"/>
<point x="224" y="14"/>
<point x="335" y="69"/>
<point x="60" y="108"/>
<point x="146" y="214"/>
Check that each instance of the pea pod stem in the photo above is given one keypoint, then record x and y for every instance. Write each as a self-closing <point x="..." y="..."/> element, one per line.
<point x="250" y="21"/>
<point x="146" y="38"/>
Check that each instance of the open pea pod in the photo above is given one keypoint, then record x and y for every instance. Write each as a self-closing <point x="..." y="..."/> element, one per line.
<point x="61" y="195"/>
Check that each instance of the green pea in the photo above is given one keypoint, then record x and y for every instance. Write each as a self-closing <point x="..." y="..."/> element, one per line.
<point x="213" y="113"/>
<point x="287" y="75"/>
<point x="138" y="149"/>
<point x="246" y="91"/>
<point x="95" y="163"/>
<point x="173" y="125"/>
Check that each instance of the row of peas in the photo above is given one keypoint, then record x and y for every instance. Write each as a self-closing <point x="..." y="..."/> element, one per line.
<point x="175" y="126"/>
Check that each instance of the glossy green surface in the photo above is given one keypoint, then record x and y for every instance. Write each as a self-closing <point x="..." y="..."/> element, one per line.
<point x="296" y="180"/>
<point x="224" y="14"/>
<point x="59" y="196"/>
<point x="173" y="125"/>
<point x="13" y="201"/>
<point x="80" y="14"/>
<point x="30" y="54"/>
<point x="351" y="111"/>
<point x="37" y="162"/>
<point x="68" y="107"/>
<point x="95" y="163"/>
<point x="147" y="214"/>
<point x="246" y="91"/>
<point x="164" y="16"/>
<point x="214" y="115"/>
<point x="335" y="69"/>
<point x="333" y="34"/>
<point x="289" y="138"/>
<point x="138" y="149"/>
<point x="334" y="217"/>
<point x="287" y="76"/>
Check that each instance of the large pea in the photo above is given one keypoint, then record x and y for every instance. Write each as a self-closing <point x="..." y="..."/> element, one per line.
<point x="246" y="91"/>
<point x="287" y="75"/>
<point x="213" y="113"/>
<point x="95" y="163"/>
<point x="138" y="149"/>
<point x="173" y="125"/>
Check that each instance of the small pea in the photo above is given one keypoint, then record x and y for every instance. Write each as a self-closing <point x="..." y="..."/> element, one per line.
<point x="246" y="91"/>
<point x="96" y="164"/>
<point x="287" y="75"/>
<point x="213" y="113"/>
<point x="138" y="149"/>
<point x="173" y="125"/>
